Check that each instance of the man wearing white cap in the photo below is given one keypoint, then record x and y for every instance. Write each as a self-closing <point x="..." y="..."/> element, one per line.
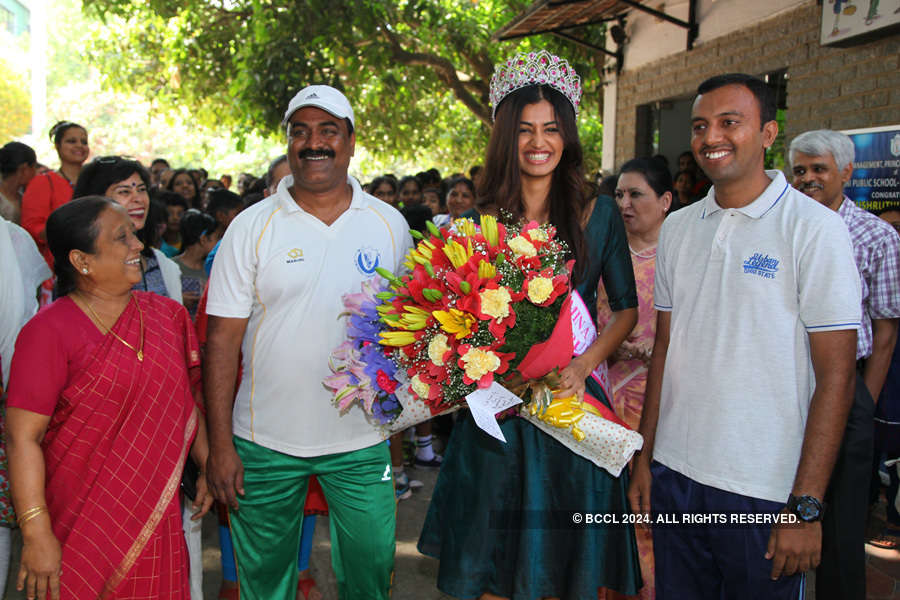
<point x="275" y="294"/>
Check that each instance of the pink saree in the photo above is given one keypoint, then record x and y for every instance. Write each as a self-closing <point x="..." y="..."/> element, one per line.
<point x="628" y="379"/>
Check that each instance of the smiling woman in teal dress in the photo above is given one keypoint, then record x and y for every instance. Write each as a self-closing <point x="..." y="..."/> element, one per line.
<point x="481" y="522"/>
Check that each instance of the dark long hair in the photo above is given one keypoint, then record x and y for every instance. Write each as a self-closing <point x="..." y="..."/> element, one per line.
<point x="500" y="182"/>
<point x="156" y="215"/>
<point x="73" y="226"/>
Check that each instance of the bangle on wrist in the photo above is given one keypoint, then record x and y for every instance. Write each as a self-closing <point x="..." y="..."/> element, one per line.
<point x="30" y="514"/>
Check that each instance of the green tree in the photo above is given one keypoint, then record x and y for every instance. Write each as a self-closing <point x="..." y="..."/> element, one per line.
<point x="124" y="122"/>
<point x="416" y="71"/>
<point x="15" y="118"/>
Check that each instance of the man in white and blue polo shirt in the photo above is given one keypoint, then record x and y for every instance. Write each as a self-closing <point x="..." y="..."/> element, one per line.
<point x="276" y="295"/>
<point x="753" y="365"/>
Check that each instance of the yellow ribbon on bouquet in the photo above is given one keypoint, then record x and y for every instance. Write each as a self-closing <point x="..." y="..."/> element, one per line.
<point x="562" y="413"/>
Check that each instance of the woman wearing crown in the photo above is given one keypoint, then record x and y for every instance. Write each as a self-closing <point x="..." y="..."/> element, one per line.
<point x="500" y="519"/>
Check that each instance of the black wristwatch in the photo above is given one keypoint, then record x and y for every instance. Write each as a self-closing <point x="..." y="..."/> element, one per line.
<point x="807" y="508"/>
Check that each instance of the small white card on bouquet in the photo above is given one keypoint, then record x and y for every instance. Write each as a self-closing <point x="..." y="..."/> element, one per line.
<point x="487" y="402"/>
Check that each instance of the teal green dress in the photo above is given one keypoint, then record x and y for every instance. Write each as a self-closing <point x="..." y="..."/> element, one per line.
<point x="500" y="519"/>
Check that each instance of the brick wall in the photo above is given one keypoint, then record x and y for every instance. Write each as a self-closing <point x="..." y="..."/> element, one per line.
<point x="834" y="88"/>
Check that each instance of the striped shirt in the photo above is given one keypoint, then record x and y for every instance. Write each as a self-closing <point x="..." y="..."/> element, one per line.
<point x="876" y="249"/>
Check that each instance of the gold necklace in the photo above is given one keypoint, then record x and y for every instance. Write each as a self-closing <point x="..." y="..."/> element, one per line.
<point x="139" y="351"/>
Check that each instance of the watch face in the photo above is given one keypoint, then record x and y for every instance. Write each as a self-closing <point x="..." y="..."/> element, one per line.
<point x="807" y="509"/>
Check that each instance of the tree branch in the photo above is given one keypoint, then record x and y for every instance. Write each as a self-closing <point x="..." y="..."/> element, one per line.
<point x="444" y="69"/>
<point x="481" y="63"/>
<point x="477" y="87"/>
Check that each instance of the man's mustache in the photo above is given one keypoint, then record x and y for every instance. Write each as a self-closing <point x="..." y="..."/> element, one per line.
<point x="316" y="153"/>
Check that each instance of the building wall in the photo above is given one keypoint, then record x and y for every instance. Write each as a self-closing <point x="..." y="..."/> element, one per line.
<point x="836" y="88"/>
<point x="18" y="15"/>
<point x="651" y="38"/>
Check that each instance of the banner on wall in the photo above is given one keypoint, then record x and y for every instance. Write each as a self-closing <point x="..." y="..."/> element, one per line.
<point x="847" y="19"/>
<point x="875" y="183"/>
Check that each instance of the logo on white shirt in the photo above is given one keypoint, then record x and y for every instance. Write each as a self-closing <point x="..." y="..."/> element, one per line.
<point x="294" y="255"/>
<point x="367" y="260"/>
<point x="762" y="265"/>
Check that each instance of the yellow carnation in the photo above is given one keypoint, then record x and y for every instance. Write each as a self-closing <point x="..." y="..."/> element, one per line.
<point x="437" y="347"/>
<point x="480" y="362"/>
<point x="539" y="289"/>
<point x="538" y="235"/>
<point x="522" y="246"/>
<point x="495" y="303"/>
<point x="420" y="388"/>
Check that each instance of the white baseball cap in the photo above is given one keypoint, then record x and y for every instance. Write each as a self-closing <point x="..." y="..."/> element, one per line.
<point x="321" y="96"/>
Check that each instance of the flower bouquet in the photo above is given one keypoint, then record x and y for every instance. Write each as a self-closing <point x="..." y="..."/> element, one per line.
<point x="361" y="370"/>
<point x="473" y="306"/>
<point x="481" y="311"/>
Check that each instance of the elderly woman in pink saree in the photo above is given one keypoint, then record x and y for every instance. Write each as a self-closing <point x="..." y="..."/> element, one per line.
<point x="644" y="195"/>
<point x="102" y="416"/>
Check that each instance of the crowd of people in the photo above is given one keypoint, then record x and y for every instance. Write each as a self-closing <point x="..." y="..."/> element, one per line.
<point x="746" y="326"/>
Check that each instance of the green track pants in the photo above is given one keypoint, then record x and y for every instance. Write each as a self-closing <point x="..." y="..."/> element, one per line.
<point x="359" y="488"/>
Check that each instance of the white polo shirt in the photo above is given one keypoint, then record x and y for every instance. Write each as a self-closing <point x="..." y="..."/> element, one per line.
<point x="745" y="287"/>
<point x="287" y="271"/>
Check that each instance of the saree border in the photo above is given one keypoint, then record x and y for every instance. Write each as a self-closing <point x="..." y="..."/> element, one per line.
<point x="153" y="521"/>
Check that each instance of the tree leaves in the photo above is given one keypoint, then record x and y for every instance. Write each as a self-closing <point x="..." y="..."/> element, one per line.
<point x="15" y="119"/>
<point x="416" y="71"/>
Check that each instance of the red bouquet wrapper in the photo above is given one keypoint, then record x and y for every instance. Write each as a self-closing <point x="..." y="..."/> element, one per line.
<point x="554" y="353"/>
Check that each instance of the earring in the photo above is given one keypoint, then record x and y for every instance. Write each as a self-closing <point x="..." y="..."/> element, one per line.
<point x="84" y="270"/>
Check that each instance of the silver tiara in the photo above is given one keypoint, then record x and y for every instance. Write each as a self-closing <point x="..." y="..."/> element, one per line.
<point x="535" y="68"/>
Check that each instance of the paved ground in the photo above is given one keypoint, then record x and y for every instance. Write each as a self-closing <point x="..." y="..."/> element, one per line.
<point x="415" y="575"/>
<point x="882" y="566"/>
